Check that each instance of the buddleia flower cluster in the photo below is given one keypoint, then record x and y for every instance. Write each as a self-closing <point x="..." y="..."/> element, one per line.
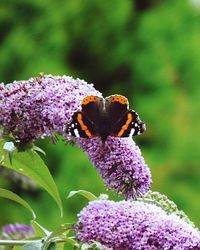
<point x="17" y="231"/>
<point x="40" y="106"/>
<point x="120" y="163"/>
<point x="134" y="225"/>
<point x="44" y="105"/>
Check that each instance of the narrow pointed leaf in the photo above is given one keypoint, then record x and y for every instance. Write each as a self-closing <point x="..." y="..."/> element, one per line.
<point x="4" y="193"/>
<point x="37" y="149"/>
<point x="84" y="193"/>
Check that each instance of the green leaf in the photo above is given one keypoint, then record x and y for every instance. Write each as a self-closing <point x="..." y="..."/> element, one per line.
<point x="72" y="241"/>
<point x="84" y="193"/>
<point x="59" y="233"/>
<point x="33" y="246"/>
<point x="38" y="149"/>
<point x="60" y="246"/>
<point x="9" y="147"/>
<point x="14" y="197"/>
<point x="16" y="248"/>
<point x="39" y="230"/>
<point x="52" y="246"/>
<point x="30" y="164"/>
<point x="64" y="228"/>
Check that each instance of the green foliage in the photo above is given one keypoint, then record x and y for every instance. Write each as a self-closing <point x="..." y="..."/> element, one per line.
<point x="166" y="77"/>
<point x="14" y="197"/>
<point x="30" y="164"/>
<point x="32" y="246"/>
<point x="84" y="193"/>
<point x="167" y="205"/>
<point x="150" y="54"/>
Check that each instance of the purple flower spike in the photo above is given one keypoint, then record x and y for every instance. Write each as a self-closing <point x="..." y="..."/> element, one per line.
<point x="120" y="164"/>
<point x="41" y="106"/>
<point x="134" y="225"/>
<point x="17" y="231"/>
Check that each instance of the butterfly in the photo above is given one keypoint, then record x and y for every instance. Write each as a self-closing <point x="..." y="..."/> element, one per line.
<point x="105" y="117"/>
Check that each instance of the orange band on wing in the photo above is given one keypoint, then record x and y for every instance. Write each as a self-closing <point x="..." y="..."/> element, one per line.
<point x="125" y="126"/>
<point x="83" y="126"/>
<point x="119" y="98"/>
<point x="88" y="99"/>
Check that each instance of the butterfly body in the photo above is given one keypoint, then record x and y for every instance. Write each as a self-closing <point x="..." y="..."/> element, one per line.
<point x="103" y="117"/>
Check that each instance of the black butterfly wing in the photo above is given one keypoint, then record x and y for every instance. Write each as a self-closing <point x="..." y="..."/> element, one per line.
<point x="85" y="123"/>
<point x="80" y="126"/>
<point x="123" y="122"/>
<point x="116" y="107"/>
<point x="91" y="108"/>
<point x="129" y="125"/>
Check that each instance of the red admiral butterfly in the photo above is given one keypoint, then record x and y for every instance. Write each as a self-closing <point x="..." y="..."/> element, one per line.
<point x="104" y="117"/>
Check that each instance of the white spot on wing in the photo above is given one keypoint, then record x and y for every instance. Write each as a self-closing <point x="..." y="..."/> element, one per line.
<point x="132" y="132"/>
<point x="76" y="133"/>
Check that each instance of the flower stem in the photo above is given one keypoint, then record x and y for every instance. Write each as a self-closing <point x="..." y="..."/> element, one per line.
<point x="23" y="242"/>
<point x="16" y="242"/>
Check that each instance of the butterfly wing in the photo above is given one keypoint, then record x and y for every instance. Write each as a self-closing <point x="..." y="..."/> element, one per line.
<point x="116" y="106"/>
<point x="80" y="126"/>
<point x="91" y="107"/>
<point x="123" y="122"/>
<point x="129" y="125"/>
<point x="85" y="123"/>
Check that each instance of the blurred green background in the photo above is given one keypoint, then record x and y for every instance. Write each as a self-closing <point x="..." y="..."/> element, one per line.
<point x="147" y="50"/>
